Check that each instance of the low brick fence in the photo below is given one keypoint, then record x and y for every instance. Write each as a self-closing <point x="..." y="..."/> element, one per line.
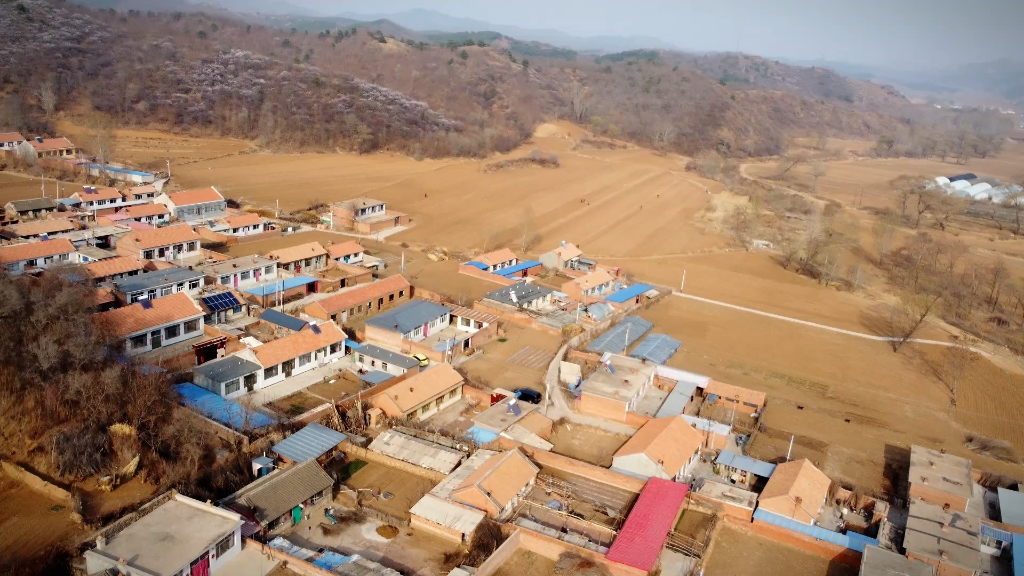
<point x="356" y="453"/>
<point x="36" y="483"/>
<point x="488" y="276"/>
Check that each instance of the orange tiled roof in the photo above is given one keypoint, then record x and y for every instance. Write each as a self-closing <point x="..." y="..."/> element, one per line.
<point x="723" y="390"/>
<point x="126" y="321"/>
<point x="38" y="227"/>
<point x="500" y="478"/>
<point x="406" y="396"/>
<point x="595" y="278"/>
<point x="362" y="295"/>
<point x="307" y="250"/>
<point x="296" y="344"/>
<point x="794" y="480"/>
<point x="496" y="257"/>
<point x="568" y="252"/>
<point x="108" y="193"/>
<point x="30" y="250"/>
<point x="144" y="189"/>
<point x="345" y="249"/>
<point x="199" y="196"/>
<point x="144" y="210"/>
<point x="11" y="137"/>
<point x="670" y="441"/>
<point x="111" y="266"/>
<point x="247" y="219"/>
<point x="51" y="144"/>
<point x="146" y="239"/>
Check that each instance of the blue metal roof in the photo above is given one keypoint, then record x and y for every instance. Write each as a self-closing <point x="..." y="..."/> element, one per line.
<point x="615" y="341"/>
<point x="311" y="442"/>
<point x="518" y="268"/>
<point x="479" y="265"/>
<point x="676" y="400"/>
<point x="407" y="317"/>
<point x="109" y="168"/>
<point x="481" y="435"/>
<point x="214" y="407"/>
<point x="1018" y="554"/>
<point x="282" y="319"/>
<point x="1011" y="506"/>
<point x="745" y="463"/>
<point x="626" y="294"/>
<point x="375" y="377"/>
<point x="286" y="284"/>
<point x="657" y="348"/>
<point x="851" y="540"/>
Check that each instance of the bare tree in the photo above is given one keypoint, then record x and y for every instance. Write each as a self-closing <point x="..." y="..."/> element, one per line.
<point x="710" y="164"/>
<point x="788" y="163"/>
<point x="1016" y="203"/>
<point x="47" y="95"/>
<point x="909" y="316"/>
<point x="818" y="170"/>
<point x="821" y="143"/>
<point x="956" y="363"/>
<point x="101" y="137"/>
<point x="579" y="101"/>
<point x="883" y="231"/>
<point x="663" y="136"/>
<point x="740" y="225"/>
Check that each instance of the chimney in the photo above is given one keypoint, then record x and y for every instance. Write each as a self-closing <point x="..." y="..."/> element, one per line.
<point x="101" y="542"/>
<point x="945" y="526"/>
<point x="944" y="554"/>
<point x="924" y="480"/>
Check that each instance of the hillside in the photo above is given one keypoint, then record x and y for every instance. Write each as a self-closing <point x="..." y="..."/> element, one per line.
<point x="356" y="89"/>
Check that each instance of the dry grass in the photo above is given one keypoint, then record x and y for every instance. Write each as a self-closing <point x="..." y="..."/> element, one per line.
<point x="570" y="564"/>
<point x="993" y="448"/>
<point x="387" y="531"/>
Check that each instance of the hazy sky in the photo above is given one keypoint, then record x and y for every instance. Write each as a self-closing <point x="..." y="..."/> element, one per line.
<point x="910" y="33"/>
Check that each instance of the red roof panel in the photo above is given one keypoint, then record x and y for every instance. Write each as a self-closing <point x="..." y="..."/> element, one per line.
<point x="646" y="529"/>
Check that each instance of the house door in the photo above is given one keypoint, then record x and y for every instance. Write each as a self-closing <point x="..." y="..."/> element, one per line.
<point x="426" y="329"/>
<point x="155" y="340"/>
<point x="396" y="220"/>
<point x="201" y="567"/>
<point x="287" y="366"/>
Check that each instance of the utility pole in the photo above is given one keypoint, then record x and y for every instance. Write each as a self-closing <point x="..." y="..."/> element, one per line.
<point x="168" y="168"/>
<point x="682" y="284"/>
<point x="790" y="451"/>
<point x="403" y="261"/>
<point x="277" y="209"/>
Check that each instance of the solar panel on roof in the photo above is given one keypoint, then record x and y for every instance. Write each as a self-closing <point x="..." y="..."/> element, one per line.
<point x="315" y="328"/>
<point x="221" y="301"/>
<point x="515" y="410"/>
<point x="147" y="304"/>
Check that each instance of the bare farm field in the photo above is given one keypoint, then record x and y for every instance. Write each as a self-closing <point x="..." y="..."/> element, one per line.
<point x="852" y="399"/>
<point x="30" y="523"/>
<point x="737" y="552"/>
<point x="151" y="149"/>
<point x="405" y="489"/>
<point x="586" y="443"/>
<point x="491" y="365"/>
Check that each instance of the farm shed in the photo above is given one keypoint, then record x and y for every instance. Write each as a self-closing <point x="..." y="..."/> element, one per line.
<point x="310" y="443"/>
<point x="417" y="451"/>
<point x="657" y="348"/>
<point x="620" y="337"/>
<point x="646" y="529"/>
<point x="231" y="414"/>
<point x="630" y="295"/>
<point x="275" y="499"/>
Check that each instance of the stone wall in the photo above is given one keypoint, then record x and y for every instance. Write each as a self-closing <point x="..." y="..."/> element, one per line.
<point x="36" y="483"/>
<point x="356" y="453"/>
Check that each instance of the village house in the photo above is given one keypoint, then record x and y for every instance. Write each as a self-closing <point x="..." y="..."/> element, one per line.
<point x="590" y="288"/>
<point x="364" y="216"/>
<point x="222" y="305"/>
<point x="30" y="257"/>
<point x="496" y="260"/>
<point x="52" y="147"/>
<point x="296" y="353"/>
<point x="171" y="244"/>
<point x="734" y="397"/>
<point x="170" y="536"/>
<point x="940" y="479"/>
<point x="615" y="393"/>
<point x="157" y="284"/>
<point x="512" y="419"/>
<point x="99" y="201"/>
<point x="469" y="320"/>
<point x="228" y="377"/>
<point x="29" y="208"/>
<point x="362" y="301"/>
<point x="370" y="357"/>
<point x="10" y="140"/>
<point x="240" y="272"/>
<point x="113" y="269"/>
<point x="308" y="257"/>
<point x="411" y="321"/>
<point x="796" y="490"/>
<point x="200" y="204"/>
<point x="664" y="448"/>
<point x="313" y="442"/>
<point x="522" y="295"/>
<point x="741" y="469"/>
<point x="949" y="540"/>
<point x="421" y="396"/>
<point x="244" y="224"/>
<point x="155" y="214"/>
<point x="350" y="252"/>
<point x="565" y="256"/>
<point x="37" y="229"/>
<point x="497" y="486"/>
<point x="145" y="192"/>
<point x="276" y="500"/>
<point x="152" y="324"/>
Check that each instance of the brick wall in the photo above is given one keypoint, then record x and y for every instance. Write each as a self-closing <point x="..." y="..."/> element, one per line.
<point x="211" y="236"/>
<point x="582" y="356"/>
<point x="377" y="334"/>
<point x="943" y="569"/>
<point x="443" y="532"/>
<point x="602" y="407"/>
<point x="356" y="453"/>
<point x="516" y="318"/>
<point x="725" y="509"/>
<point x="573" y="466"/>
<point x="937" y="497"/>
<point x="480" y="397"/>
<point x="490" y="277"/>
<point x="552" y="549"/>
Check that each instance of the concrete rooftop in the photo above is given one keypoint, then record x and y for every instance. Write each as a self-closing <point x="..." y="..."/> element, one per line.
<point x="630" y="374"/>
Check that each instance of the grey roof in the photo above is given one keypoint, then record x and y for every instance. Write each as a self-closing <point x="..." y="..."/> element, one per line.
<point x="236" y="265"/>
<point x="620" y="337"/>
<point x="1011" y="507"/>
<point x="282" y="319"/>
<point x="941" y="471"/>
<point x="275" y="494"/>
<point x="227" y="369"/>
<point x="155" y="278"/>
<point x="926" y="536"/>
<point x="33" y="204"/>
<point x="417" y="451"/>
<point x="745" y="463"/>
<point x="524" y="293"/>
<point x="407" y="317"/>
<point x="388" y="356"/>
<point x="657" y="348"/>
<point x="96" y="253"/>
<point x="880" y="562"/>
<point x="310" y="443"/>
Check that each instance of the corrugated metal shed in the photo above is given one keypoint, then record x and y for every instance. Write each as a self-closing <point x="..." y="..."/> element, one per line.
<point x="376" y="377"/>
<point x="286" y="284"/>
<point x="477" y="265"/>
<point x="853" y="541"/>
<point x="706" y="425"/>
<point x="388" y="356"/>
<point x="1011" y="506"/>
<point x="677" y="399"/>
<point x="311" y="442"/>
<point x="745" y="463"/>
<point x="600" y="310"/>
<point x="657" y="348"/>
<point x="417" y="451"/>
<point x="621" y="336"/>
<point x="646" y="529"/>
<point x="627" y="294"/>
<point x="214" y="407"/>
<point x="518" y="268"/>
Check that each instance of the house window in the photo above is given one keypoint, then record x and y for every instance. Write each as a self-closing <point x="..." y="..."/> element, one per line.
<point x="250" y="380"/>
<point x="151" y="294"/>
<point x="308" y="263"/>
<point x="148" y="254"/>
<point x="64" y="257"/>
<point x="236" y="310"/>
<point x="268" y="270"/>
<point x="362" y="359"/>
<point x="384" y="366"/>
<point x="193" y="284"/>
<point x="191" y="326"/>
<point x="391" y="297"/>
<point x="136" y="342"/>
<point x="352" y="311"/>
<point x="225" y="280"/>
<point x="226" y="544"/>
<point x="270" y="373"/>
<point x="335" y="348"/>
<point x="425" y="409"/>
<point x="191" y="246"/>
<point x="245" y="275"/>
<point x="31" y="262"/>
<point x="172" y="331"/>
<point x="304" y="359"/>
<point x="231" y="387"/>
<point x="179" y="287"/>
<point x="166" y="290"/>
<point x="360" y="308"/>
<point x="401" y="293"/>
